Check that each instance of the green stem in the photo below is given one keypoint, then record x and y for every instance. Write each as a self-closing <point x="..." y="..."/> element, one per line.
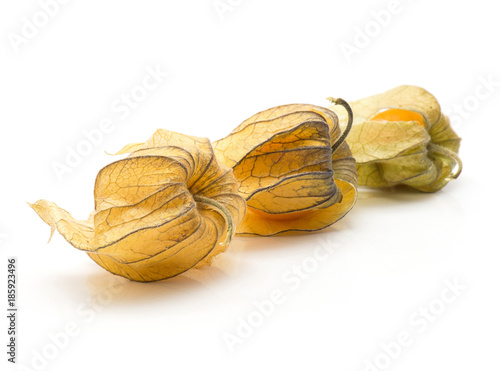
<point x="448" y="154"/>
<point x="348" y="127"/>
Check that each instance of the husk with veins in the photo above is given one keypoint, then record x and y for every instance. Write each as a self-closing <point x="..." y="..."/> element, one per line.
<point x="167" y="207"/>
<point x="295" y="171"/>
<point x="403" y="152"/>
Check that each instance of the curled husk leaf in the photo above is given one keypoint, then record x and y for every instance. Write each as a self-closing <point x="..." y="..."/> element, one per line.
<point x="294" y="167"/>
<point x="167" y="207"/>
<point x="419" y="149"/>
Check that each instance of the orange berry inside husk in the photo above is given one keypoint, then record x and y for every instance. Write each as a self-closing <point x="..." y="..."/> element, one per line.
<point x="396" y="114"/>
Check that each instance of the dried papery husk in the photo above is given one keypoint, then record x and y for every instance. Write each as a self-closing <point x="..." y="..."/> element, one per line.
<point x="295" y="169"/>
<point x="419" y="150"/>
<point x="167" y="207"/>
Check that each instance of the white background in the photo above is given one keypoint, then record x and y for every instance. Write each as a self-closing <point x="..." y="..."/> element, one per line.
<point x="392" y="254"/>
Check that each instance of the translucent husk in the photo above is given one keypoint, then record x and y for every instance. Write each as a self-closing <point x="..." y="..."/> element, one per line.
<point x="391" y="153"/>
<point x="294" y="168"/>
<point x="168" y="207"/>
